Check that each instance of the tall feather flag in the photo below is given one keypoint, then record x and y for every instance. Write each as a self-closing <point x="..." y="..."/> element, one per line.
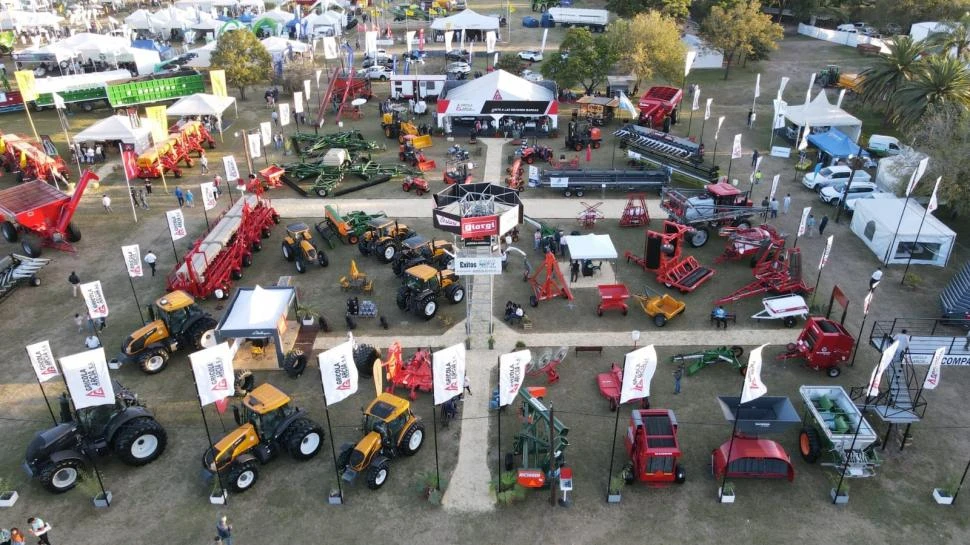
<point x="933" y="204"/>
<point x="754" y="387"/>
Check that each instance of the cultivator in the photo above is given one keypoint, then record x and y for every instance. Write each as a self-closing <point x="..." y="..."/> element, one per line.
<point x="413" y="375"/>
<point x="662" y="256"/>
<point x="17" y="154"/>
<point x="777" y="271"/>
<point x="696" y="361"/>
<point x="312" y="145"/>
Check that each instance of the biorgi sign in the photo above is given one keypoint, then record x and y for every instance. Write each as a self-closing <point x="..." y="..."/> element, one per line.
<point x="479" y="226"/>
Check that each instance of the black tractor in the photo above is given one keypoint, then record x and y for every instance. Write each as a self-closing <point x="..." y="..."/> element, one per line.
<point x="127" y="428"/>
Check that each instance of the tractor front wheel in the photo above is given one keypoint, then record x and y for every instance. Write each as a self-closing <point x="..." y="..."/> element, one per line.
<point x="300" y="265"/>
<point x="155" y="362"/>
<point x="377" y="473"/>
<point x="387" y="252"/>
<point x="62" y="476"/>
<point x="140" y="441"/>
<point x="700" y="237"/>
<point x="242" y="477"/>
<point x="303" y="439"/>
<point x="322" y="259"/>
<point x="455" y="293"/>
<point x="412" y="440"/>
<point x="287" y="251"/>
<point x="427" y="307"/>
<point x="809" y="444"/>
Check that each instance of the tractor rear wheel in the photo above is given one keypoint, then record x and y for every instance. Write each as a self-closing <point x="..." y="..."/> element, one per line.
<point x="30" y="249"/>
<point x="809" y="444"/>
<point x="412" y="440"/>
<point x="455" y="293"/>
<point x="287" y="251"/>
<point x="426" y="307"/>
<point x="201" y="331"/>
<point x="62" y="476"/>
<point x="680" y="475"/>
<point x="9" y="232"/>
<point x="403" y="298"/>
<point x="363" y="248"/>
<point x="73" y="233"/>
<point x="377" y="473"/>
<point x="140" y="441"/>
<point x="303" y="439"/>
<point x="343" y="459"/>
<point x="300" y="264"/>
<point x="364" y="357"/>
<point x="243" y="476"/>
<point x="155" y="361"/>
<point x="388" y="252"/>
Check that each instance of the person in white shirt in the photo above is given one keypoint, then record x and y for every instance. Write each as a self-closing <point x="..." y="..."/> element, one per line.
<point x="92" y="342"/>
<point x="875" y="278"/>
<point x="903" y="338"/>
<point x="106" y="203"/>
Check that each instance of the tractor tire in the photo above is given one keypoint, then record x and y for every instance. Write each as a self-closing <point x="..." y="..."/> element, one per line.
<point x="403" y="298"/>
<point x="387" y="252"/>
<point x="426" y="307"/>
<point x="322" y="258"/>
<point x="363" y="248"/>
<point x="61" y="476"/>
<point x="30" y="249"/>
<point x="809" y="444"/>
<point x="680" y="475"/>
<point x="9" y="232"/>
<point x="303" y="439"/>
<point x="377" y="473"/>
<point x="833" y="371"/>
<point x="700" y="237"/>
<point x="737" y="351"/>
<point x="287" y="251"/>
<point x="256" y="246"/>
<point x="265" y="232"/>
<point x="578" y="146"/>
<point x="73" y="234"/>
<point x="155" y="361"/>
<point x="412" y="440"/>
<point x="455" y="293"/>
<point x="247" y="260"/>
<point x="243" y="476"/>
<point x="300" y="265"/>
<point x="200" y="332"/>
<point x="294" y="363"/>
<point x="364" y="357"/>
<point x="660" y="320"/>
<point x="140" y="441"/>
<point x="398" y="266"/>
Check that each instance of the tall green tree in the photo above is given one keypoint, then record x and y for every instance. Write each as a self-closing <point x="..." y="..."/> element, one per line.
<point x="956" y="39"/>
<point x="889" y="71"/>
<point x="510" y="63"/>
<point x="677" y="9"/>
<point x="940" y="81"/>
<point x="584" y="59"/>
<point x="944" y="135"/>
<point x="244" y="58"/>
<point x="649" y="46"/>
<point x="736" y="28"/>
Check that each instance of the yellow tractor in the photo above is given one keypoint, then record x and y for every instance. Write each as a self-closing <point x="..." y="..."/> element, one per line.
<point x="422" y="286"/>
<point x="176" y="322"/>
<point x="390" y="430"/>
<point x="383" y="237"/>
<point x="268" y="426"/>
<point x="298" y="246"/>
<point x="417" y="249"/>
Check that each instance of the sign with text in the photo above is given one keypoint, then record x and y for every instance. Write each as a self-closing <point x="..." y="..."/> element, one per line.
<point x="87" y="378"/>
<point x="214" y="376"/>
<point x="42" y="360"/>
<point x="132" y="256"/>
<point x="94" y="299"/>
<point x="470" y="266"/>
<point x="479" y="226"/>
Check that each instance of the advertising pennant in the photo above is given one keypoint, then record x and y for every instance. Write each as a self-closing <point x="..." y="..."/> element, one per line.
<point x="255" y="145"/>
<point x="284" y="114"/>
<point x="774" y="185"/>
<point x="804" y="221"/>
<point x="42" y="360"/>
<point x="697" y="98"/>
<point x="490" y="40"/>
<point x="409" y="38"/>
<point x="808" y="92"/>
<point x="639" y="367"/>
<point x="209" y="200"/>
<point x="933" y="204"/>
<point x="214" y="375"/>
<point x="754" y="387"/>
<point x="803" y="145"/>
<point x="306" y="89"/>
<point x="838" y="103"/>
<point x="449" y="36"/>
<point x="317" y="74"/>
<point x="917" y="174"/>
<point x="707" y="109"/>
<point x="338" y="373"/>
<point x="329" y="52"/>
<point x="87" y="378"/>
<point x="689" y="61"/>
<point x="932" y="379"/>
<point x="159" y="123"/>
<point x="717" y="131"/>
<point x="736" y="150"/>
<point x="867" y="303"/>
<point x="58" y="101"/>
<point x="26" y="84"/>
<point x="132" y="256"/>
<point x="218" y="80"/>
<point x="94" y="299"/>
<point x="876" y="377"/>
<point x="511" y="375"/>
<point x="176" y="224"/>
<point x="370" y="42"/>
<point x="757" y="86"/>
<point x="449" y="372"/>
<point x="825" y="254"/>
<point x="781" y="86"/>
<point x="266" y="132"/>
<point x="232" y="171"/>
<point x="298" y="102"/>
<point x="545" y="34"/>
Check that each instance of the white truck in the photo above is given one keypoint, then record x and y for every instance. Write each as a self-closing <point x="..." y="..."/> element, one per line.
<point x="593" y="19"/>
<point x="404" y="86"/>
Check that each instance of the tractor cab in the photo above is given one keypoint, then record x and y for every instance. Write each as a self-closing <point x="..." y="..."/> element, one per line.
<point x="172" y="310"/>
<point x="725" y="194"/>
<point x="423" y="277"/>
<point x="380" y="228"/>
<point x="264" y="408"/>
<point x="298" y="231"/>
<point x="390" y="430"/>
<point x="387" y="416"/>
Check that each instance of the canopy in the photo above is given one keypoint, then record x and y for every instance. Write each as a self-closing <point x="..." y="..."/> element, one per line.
<point x="117" y="127"/>
<point x="257" y="313"/>
<point x="836" y="144"/>
<point x="278" y="15"/>
<point x="590" y="247"/>
<point x="466" y="20"/>
<point x="279" y="46"/>
<point x="17" y="19"/>
<point x="821" y="113"/>
<point x="203" y="55"/>
<point x="202" y="104"/>
<point x="875" y="223"/>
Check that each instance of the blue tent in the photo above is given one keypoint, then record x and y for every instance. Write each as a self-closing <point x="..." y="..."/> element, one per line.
<point x="837" y="145"/>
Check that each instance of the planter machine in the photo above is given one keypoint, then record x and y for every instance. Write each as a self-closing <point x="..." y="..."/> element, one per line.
<point x="751" y="456"/>
<point x="17" y="154"/>
<point x="662" y="256"/>
<point x="16" y="270"/>
<point x="829" y="435"/>
<point x="43" y="210"/>
<point x="346" y="228"/>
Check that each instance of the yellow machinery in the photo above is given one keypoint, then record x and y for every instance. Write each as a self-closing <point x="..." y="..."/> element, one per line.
<point x="298" y="246"/>
<point x="383" y="237"/>
<point x="418" y="250"/>
<point x="176" y="322"/>
<point x="268" y="425"/>
<point x="356" y="280"/>
<point x="390" y="430"/>
<point x="422" y="286"/>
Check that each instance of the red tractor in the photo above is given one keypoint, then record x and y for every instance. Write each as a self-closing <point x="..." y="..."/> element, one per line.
<point x="420" y="185"/>
<point x="651" y="444"/>
<point x="823" y="344"/>
<point x="531" y="154"/>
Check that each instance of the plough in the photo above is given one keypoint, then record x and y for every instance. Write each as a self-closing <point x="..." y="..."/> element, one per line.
<point x="698" y="360"/>
<point x="414" y="376"/>
<point x="777" y="271"/>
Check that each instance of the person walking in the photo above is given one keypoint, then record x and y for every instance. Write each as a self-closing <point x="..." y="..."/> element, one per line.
<point x="75" y="282"/>
<point x="180" y="196"/>
<point x="4" y="536"/>
<point x="758" y="176"/>
<point x="106" y="203"/>
<point x="536" y="239"/>
<point x="875" y="278"/>
<point x="89" y="155"/>
<point x="148" y="186"/>
<point x="468" y="385"/>
<point x="224" y="530"/>
<point x="903" y="339"/>
<point x="574" y="271"/>
<point x="678" y="374"/>
<point x="764" y="207"/>
<point x="563" y="244"/>
<point x="151" y="259"/>
<point x="276" y="118"/>
<point x="189" y="198"/>
<point x="754" y="158"/>
<point x="79" y="322"/>
<point x="810" y="226"/>
<point x="204" y="163"/>
<point x="786" y="204"/>
<point x="773" y="206"/>
<point x="821" y="225"/>
<point x="39" y="529"/>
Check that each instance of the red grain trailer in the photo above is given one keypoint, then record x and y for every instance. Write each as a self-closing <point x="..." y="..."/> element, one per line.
<point x="44" y="211"/>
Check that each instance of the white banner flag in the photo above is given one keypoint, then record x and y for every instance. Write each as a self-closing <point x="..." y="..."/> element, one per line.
<point x="757" y="86"/>
<point x="490" y="39"/>
<point x="803" y="145"/>
<point x="306" y="89"/>
<point x="545" y="34"/>
<point x="449" y="36"/>
<point x="808" y="92"/>
<point x="917" y="174"/>
<point x="838" y="103"/>
<point x="94" y="299"/>
<point x="448" y="367"/>
<point x="689" y="61"/>
<point x="42" y="360"/>
<point x="781" y="109"/>
<point x="370" y="42"/>
<point x="214" y="376"/>
<point x="255" y="145"/>
<point x="697" y="99"/>
<point x="932" y="379"/>
<point x="132" y="255"/>
<point x="495" y="60"/>
<point x="802" y="224"/>
<point x="707" y="109"/>
<point x="774" y="185"/>
<point x="866" y="303"/>
<point x="176" y="224"/>
<point x="753" y="385"/>
<point x="408" y="38"/>
<point x="208" y="195"/>
<point x="876" y="377"/>
<point x="826" y="252"/>
<point x="338" y="373"/>
<point x="317" y="74"/>
<point x="87" y="378"/>
<point x="736" y="149"/>
<point x="933" y="204"/>
<point x="284" y="114"/>
<point x="717" y="131"/>
<point x="232" y="171"/>
<point x="781" y="86"/>
<point x="298" y="102"/>
<point x="638" y="369"/>
<point x="266" y="132"/>
<point x="511" y="374"/>
<point x="329" y="52"/>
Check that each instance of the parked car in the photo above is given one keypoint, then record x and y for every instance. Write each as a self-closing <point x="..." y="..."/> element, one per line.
<point x="379" y="61"/>
<point x="532" y="76"/>
<point x="530" y="22"/>
<point x="848" y="27"/>
<point x="836" y="192"/>
<point x="531" y="55"/>
<point x="458" y="68"/>
<point x="379" y="54"/>
<point x="850" y="204"/>
<point x="830" y="175"/>
<point x="379" y="71"/>
<point x="414" y="55"/>
<point x="457" y="55"/>
<point x="880" y="144"/>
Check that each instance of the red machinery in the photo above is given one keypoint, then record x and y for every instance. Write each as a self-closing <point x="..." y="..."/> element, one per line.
<point x="611" y="383"/>
<point x="420" y="185"/>
<point x="716" y="206"/>
<point x="164" y="157"/>
<point x="657" y="104"/>
<point x="414" y="375"/>
<point x="343" y="87"/>
<point x="457" y="171"/>
<point x="415" y="157"/>
<point x="744" y="242"/>
<point x="193" y="134"/>
<point x="548" y="364"/>
<point x="590" y="215"/>
<point x="751" y="456"/>
<point x="531" y="154"/>
<point x="612" y="297"/>
<point x="44" y="210"/>
<point x="662" y="255"/>
<point x="32" y="163"/>
<point x="776" y="271"/>
<point x="219" y="257"/>
<point x="635" y="213"/>
<point x="653" y="448"/>
<point x="553" y="285"/>
<point x="272" y="176"/>
<point x="515" y="179"/>
<point x="823" y="344"/>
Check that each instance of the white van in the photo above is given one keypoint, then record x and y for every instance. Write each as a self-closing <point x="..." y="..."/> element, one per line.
<point x="848" y="27"/>
<point x="880" y="144"/>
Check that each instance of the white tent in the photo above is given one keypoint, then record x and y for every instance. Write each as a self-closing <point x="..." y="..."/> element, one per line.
<point x="258" y="313"/>
<point x="16" y="19"/>
<point x="590" y="247"/>
<point x="203" y="55"/>
<point x="279" y="15"/>
<point x="466" y="20"/>
<point x="279" y="46"/>
<point x="875" y="222"/>
<point x="117" y="127"/>
<point x="497" y="95"/>
<point x="203" y="104"/>
<point x="821" y="113"/>
<point x="921" y="31"/>
<point x="326" y="20"/>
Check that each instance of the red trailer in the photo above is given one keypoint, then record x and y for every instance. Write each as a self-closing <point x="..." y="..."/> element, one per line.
<point x="653" y="448"/>
<point x="659" y="103"/>
<point x="751" y="456"/>
<point x="219" y="257"/>
<point x="40" y="208"/>
<point x="823" y="344"/>
<point x="612" y="297"/>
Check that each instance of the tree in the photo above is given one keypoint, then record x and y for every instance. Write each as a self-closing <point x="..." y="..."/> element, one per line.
<point x="677" y="9"/>
<point x="889" y="71"/>
<point x="945" y="136"/>
<point x="244" y="59"/>
<point x="736" y="29"/>
<point x="939" y="81"/>
<point x="509" y="63"/>
<point x="583" y="59"/>
<point x="955" y="40"/>
<point x="649" y="46"/>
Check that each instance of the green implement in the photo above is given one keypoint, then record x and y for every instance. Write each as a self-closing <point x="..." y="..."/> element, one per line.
<point x="699" y="360"/>
<point x="313" y="145"/>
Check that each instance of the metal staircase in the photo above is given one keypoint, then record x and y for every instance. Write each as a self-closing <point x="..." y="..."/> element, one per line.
<point x="899" y="400"/>
<point x="16" y="270"/>
<point x="479" y="293"/>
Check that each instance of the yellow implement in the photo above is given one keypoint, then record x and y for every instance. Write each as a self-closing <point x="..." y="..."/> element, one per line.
<point x="356" y="280"/>
<point x="660" y="307"/>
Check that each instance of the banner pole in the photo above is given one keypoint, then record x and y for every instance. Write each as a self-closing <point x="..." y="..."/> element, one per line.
<point x="855" y="349"/>
<point x="734" y="431"/>
<point x="212" y="446"/>
<point x="42" y="392"/>
<point x="333" y="449"/>
<point x="135" y="295"/>
<point x="206" y="216"/>
<point x="131" y="197"/>
<point x="959" y="486"/>
<point x="97" y="474"/>
<point x="848" y="457"/>
<point x="498" y="377"/>
<point x="174" y="251"/>
<point x="31" y="120"/>
<point x="609" y="476"/>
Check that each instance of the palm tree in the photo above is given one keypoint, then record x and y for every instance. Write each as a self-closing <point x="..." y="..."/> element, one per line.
<point x="955" y="39"/>
<point x="941" y="81"/>
<point x="891" y="70"/>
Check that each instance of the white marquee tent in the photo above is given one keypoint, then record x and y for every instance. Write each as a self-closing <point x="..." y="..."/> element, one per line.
<point x="821" y="113"/>
<point x="203" y="104"/>
<point x="118" y="127"/>
<point x="280" y="46"/>
<point x="590" y="247"/>
<point x="17" y="19"/>
<point x="497" y="95"/>
<point x="875" y="222"/>
<point x="466" y="20"/>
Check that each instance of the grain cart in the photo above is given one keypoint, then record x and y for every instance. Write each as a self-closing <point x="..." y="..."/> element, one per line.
<point x="828" y="433"/>
<point x="268" y="426"/>
<point x="418" y="250"/>
<point x="17" y="154"/>
<point x="540" y="443"/>
<point x="750" y="455"/>
<point x="423" y="285"/>
<point x="383" y="237"/>
<point x="127" y="428"/>
<point x="717" y="205"/>
<point x="16" y="270"/>
<point x="658" y="105"/>
<point x="176" y="322"/>
<point x="297" y="246"/>
<point x="40" y="208"/>
<point x="653" y="448"/>
<point x="390" y="430"/>
<point x="823" y="344"/>
<point x="219" y="257"/>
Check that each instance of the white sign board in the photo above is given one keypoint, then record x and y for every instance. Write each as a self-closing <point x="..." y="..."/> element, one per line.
<point x="558" y="182"/>
<point x="468" y="266"/>
<point x="780" y="151"/>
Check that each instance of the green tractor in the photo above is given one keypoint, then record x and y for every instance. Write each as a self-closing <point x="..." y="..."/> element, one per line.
<point x="829" y="76"/>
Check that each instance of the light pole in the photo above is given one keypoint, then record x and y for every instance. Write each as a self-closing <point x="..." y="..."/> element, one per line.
<point x="855" y="163"/>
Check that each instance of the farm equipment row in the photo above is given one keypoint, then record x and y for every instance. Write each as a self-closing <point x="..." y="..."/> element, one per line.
<point x="578" y="182"/>
<point x="676" y="154"/>
<point x="325" y="178"/>
<point x="312" y="145"/>
<point x="17" y="154"/>
<point x="165" y="157"/>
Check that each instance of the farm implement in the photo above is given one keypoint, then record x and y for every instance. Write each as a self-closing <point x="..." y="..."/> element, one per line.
<point x="540" y="445"/>
<point x="413" y="375"/>
<point x="17" y="154"/>
<point x="709" y="209"/>
<point x="747" y="242"/>
<point x="835" y="433"/>
<point x="635" y="212"/>
<point x="324" y="178"/>
<point x="823" y="344"/>
<point x="356" y="280"/>
<point x="612" y="297"/>
<point x="44" y="211"/>
<point x="660" y="307"/>
<point x="17" y="270"/>
<point x="705" y="358"/>
<point x="548" y="364"/>
<point x="312" y="145"/>
<point x="611" y="383"/>
<point x="787" y="308"/>
<point x="653" y="448"/>
<point x="750" y="455"/>
<point x="550" y="287"/>
<point x="777" y="270"/>
<point x="346" y="228"/>
<point x="342" y="89"/>
<point x="662" y="257"/>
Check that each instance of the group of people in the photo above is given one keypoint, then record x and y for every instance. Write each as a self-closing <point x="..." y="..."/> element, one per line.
<point x="35" y="525"/>
<point x="513" y="312"/>
<point x="88" y="154"/>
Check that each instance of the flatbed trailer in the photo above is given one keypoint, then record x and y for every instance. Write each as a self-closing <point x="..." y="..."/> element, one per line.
<point x="579" y="182"/>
